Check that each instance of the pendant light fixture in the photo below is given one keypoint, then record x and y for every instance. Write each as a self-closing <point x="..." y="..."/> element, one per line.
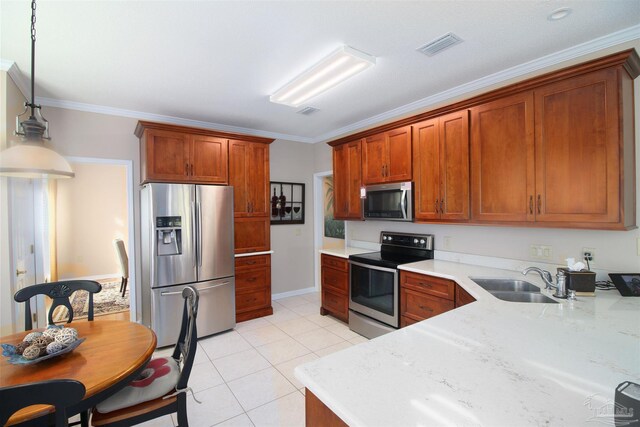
<point x="30" y="158"/>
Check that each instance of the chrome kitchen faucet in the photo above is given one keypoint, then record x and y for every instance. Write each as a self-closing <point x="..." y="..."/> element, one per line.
<point x="561" y="281"/>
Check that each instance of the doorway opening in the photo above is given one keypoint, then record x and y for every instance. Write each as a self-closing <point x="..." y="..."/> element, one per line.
<point x="328" y="232"/>
<point x="88" y="215"/>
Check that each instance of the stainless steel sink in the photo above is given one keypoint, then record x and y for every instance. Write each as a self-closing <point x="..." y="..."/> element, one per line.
<point x="523" y="297"/>
<point x="513" y="290"/>
<point x="512" y="285"/>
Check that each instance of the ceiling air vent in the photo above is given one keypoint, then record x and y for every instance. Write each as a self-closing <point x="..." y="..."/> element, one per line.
<point x="439" y="44"/>
<point x="307" y="111"/>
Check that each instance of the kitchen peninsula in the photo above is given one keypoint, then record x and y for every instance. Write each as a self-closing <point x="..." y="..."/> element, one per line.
<point x="489" y="363"/>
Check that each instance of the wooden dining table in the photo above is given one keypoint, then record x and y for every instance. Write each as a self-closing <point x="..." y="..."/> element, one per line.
<point x="113" y="354"/>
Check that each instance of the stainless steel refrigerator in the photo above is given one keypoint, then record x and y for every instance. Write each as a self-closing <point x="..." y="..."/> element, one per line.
<point x="187" y="239"/>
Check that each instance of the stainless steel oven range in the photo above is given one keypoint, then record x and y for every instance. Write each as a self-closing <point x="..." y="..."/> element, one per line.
<point x="374" y="294"/>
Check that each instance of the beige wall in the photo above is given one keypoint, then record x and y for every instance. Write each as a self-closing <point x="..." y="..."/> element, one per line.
<point x="11" y="104"/>
<point x="292" y="261"/>
<point x="91" y="211"/>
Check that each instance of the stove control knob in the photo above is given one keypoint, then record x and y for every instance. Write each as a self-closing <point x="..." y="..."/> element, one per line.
<point x="415" y="241"/>
<point x="384" y="237"/>
<point x="389" y="238"/>
<point x="422" y="242"/>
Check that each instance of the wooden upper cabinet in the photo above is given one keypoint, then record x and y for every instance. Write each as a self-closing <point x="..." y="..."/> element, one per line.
<point x="166" y="156"/>
<point x="578" y="170"/>
<point x="441" y="167"/>
<point x="386" y="157"/>
<point x="249" y="176"/>
<point x="209" y="159"/>
<point x="347" y="164"/>
<point x="502" y="159"/>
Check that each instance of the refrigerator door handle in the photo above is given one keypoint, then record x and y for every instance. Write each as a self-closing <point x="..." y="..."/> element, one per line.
<point x="199" y="235"/>
<point x="195" y="234"/>
<point x="212" y="287"/>
<point x="165" y="294"/>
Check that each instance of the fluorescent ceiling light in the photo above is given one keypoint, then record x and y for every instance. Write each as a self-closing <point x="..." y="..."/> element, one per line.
<point x="343" y="63"/>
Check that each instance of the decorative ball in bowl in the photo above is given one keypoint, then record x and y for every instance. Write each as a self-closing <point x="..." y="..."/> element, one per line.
<point x="38" y="346"/>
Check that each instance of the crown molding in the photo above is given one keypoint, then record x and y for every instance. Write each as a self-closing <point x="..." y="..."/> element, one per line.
<point x="16" y="75"/>
<point x="140" y="115"/>
<point x="421" y="105"/>
<point x="592" y="46"/>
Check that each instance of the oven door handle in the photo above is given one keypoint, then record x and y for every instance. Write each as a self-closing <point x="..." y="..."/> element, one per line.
<point x="374" y="267"/>
<point x="403" y="204"/>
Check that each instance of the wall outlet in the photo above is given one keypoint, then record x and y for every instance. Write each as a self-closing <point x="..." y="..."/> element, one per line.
<point x="589" y="254"/>
<point x="541" y="252"/>
<point x="446" y="242"/>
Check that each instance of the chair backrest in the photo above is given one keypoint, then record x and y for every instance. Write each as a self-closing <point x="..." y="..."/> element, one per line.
<point x="59" y="393"/>
<point x="123" y="259"/>
<point x="188" y="338"/>
<point x="59" y="292"/>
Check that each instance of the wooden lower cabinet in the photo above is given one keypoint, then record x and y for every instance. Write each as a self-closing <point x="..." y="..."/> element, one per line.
<point x="317" y="414"/>
<point x="335" y="287"/>
<point x="463" y="297"/>
<point x="423" y="296"/>
<point x="253" y="287"/>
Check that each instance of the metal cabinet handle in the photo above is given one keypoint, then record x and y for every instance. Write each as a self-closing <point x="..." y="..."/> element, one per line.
<point x="428" y="285"/>
<point x="191" y="169"/>
<point x="425" y="308"/>
<point x="531" y="204"/>
<point x="436" y="205"/>
<point x="186" y="169"/>
<point x="539" y="204"/>
<point x="441" y="205"/>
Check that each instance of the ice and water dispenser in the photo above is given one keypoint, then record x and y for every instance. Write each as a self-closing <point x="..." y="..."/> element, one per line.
<point x="169" y="235"/>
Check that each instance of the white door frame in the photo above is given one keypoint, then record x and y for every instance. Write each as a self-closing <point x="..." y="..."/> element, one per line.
<point x="132" y="284"/>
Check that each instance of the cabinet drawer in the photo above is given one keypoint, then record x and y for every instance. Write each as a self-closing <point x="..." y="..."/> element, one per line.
<point x="335" y="262"/>
<point x="252" y="300"/>
<point x="337" y="281"/>
<point x="435" y="286"/>
<point x="335" y="303"/>
<point x="420" y="305"/>
<point x="463" y="297"/>
<point x="253" y="279"/>
<point x="249" y="262"/>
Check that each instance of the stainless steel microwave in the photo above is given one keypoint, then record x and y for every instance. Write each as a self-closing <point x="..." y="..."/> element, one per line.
<point x="388" y="202"/>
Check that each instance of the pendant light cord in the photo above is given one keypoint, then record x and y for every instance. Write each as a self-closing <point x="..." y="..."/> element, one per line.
<point x="33" y="56"/>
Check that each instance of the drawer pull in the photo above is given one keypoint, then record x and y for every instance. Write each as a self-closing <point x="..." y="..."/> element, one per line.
<point x="252" y="279"/>
<point x="425" y="308"/>
<point x="250" y="262"/>
<point x="428" y="285"/>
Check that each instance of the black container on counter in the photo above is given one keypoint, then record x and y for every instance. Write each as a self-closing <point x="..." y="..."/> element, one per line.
<point x="580" y="281"/>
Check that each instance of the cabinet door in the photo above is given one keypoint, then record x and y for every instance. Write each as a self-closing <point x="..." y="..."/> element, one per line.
<point x="502" y="160"/>
<point x="238" y="156"/>
<point x="398" y="147"/>
<point x="426" y="158"/>
<point x="258" y="179"/>
<point x="374" y="159"/>
<point x="578" y="149"/>
<point x="354" y="204"/>
<point x="209" y="159"/>
<point x="340" y="181"/>
<point x="167" y="156"/>
<point x="252" y="234"/>
<point x="454" y="166"/>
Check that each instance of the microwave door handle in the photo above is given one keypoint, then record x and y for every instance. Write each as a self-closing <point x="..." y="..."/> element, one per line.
<point x="403" y="204"/>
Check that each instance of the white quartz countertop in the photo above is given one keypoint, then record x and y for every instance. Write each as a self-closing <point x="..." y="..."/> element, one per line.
<point x="345" y="252"/>
<point x="488" y="363"/>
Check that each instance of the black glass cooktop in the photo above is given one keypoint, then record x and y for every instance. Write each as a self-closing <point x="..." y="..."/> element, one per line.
<point x="391" y="259"/>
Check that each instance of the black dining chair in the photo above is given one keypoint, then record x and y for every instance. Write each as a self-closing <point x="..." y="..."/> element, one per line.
<point x="175" y="401"/>
<point x="59" y="393"/>
<point x="60" y="293"/>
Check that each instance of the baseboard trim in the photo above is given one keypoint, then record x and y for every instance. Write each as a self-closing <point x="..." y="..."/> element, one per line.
<point x="295" y="293"/>
<point x="96" y="277"/>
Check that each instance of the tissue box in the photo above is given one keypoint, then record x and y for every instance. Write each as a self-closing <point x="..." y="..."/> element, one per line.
<point x="580" y="281"/>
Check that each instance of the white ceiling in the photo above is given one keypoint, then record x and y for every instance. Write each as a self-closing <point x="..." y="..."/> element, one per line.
<point x="215" y="63"/>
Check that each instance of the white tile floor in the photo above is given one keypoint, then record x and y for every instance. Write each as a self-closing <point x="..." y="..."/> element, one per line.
<point x="245" y="377"/>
